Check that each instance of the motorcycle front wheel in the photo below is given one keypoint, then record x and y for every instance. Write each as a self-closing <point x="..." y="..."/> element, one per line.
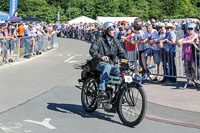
<point x="132" y="105"/>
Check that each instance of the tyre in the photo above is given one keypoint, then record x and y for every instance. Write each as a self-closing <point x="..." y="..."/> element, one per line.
<point x="89" y="95"/>
<point x="132" y="104"/>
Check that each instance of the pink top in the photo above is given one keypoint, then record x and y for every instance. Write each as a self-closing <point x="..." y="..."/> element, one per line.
<point x="187" y="54"/>
<point x="6" y="31"/>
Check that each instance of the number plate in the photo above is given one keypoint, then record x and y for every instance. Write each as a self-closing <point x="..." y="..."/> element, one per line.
<point x="128" y="79"/>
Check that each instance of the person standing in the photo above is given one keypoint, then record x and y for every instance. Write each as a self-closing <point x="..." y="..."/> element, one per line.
<point x="21" y="30"/>
<point x="153" y="23"/>
<point x="189" y="45"/>
<point x="120" y="35"/>
<point x="147" y="40"/>
<point x="2" y="39"/>
<point x="9" y="33"/>
<point x="130" y="47"/>
<point x="29" y="33"/>
<point x="170" y="52"/>
<point x="158" y="52"/>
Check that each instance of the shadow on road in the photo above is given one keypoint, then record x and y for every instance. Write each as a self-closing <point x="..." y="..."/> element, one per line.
<point x="78" y="110"/>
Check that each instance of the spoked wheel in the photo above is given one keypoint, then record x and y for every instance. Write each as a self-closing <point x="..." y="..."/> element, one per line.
<point x="89" y="95"/>
<point x="132" y="105"/>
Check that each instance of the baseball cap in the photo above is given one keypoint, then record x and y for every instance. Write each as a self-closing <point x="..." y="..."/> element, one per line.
<point x="161" y="25"/>
<point x="129" y="28"/>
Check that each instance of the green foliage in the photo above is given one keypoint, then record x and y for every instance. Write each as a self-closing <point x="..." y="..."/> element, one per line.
<point x="140" y="9"/>
<point x="146" y="9"/>
<point x="73" y="12"/>
<point x="4" y="5"/>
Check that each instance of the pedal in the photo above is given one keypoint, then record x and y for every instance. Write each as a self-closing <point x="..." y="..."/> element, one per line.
<point x="109" y="108"/>
<point x="99" y="105"/>
<point x="102" y="100"/>
<point x="107" y="105"/>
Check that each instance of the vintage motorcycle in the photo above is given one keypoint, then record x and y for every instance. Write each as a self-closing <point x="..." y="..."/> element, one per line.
<point x="124" y="95"/>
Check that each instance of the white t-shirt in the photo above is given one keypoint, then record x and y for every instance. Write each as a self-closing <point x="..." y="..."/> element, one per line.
<point x="161" y="36"/>
<point x="80" y="27"/>
<point x="137" y="37"/>
<point x="147" y="35"/>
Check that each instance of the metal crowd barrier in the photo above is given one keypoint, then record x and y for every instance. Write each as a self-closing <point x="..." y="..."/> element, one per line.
<point x="24" y="46"/>
<point x="8" y="49"/>
<point x="88" y="35"/>
<point x="171" y="64"/>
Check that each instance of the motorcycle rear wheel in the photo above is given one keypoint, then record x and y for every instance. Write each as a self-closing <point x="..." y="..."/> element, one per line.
<point x="89" y="95"/>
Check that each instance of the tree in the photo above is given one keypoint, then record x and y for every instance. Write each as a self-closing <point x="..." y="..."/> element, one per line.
<point x="39" y="8"/>
<point x="73" y="12"/>
<point x="4" y="5"/>
<point x="159" y="9"/>
<point x="140" y="9"/>
<point x="155" y="10"/>
<point x="185" y="7"/>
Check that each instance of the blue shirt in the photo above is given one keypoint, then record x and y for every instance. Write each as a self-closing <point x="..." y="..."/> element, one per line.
<point x="28" y="32"/>
<point x="59" y="27"/>
<point x="149" y="36"/>
<point x="109" y="40"/>
<point x="119" y="37"/>
<point x="170" y="47"/>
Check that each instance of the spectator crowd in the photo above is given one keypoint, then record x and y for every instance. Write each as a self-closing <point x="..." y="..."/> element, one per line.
<point x="33" y="38"/>
<point x="151" y="43"/>
<point x="145" y="43"/>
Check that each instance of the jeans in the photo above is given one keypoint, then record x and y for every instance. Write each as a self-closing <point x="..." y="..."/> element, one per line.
<point x="148" y="52"/>
<point x="40" y="45"/>
<point x="157" y="56"/>
<point x="170" y="67"/>
<point x="27" y="46"/>
<point x="106" y="69"/>
<point x="10" y="45"/>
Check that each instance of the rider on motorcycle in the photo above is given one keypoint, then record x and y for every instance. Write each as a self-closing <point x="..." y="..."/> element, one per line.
<point x="105" y="49"/>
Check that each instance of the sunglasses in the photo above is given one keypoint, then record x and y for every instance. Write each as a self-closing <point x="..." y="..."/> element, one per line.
<point x="167" y="28"/>
<point x="190" y="28"/>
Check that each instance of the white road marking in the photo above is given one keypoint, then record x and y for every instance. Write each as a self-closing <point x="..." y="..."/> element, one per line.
<point x="69" y="60"/>
<point x="8" y="129"/>
<point x="60" y="109"/>
<point x="44" y="123"/>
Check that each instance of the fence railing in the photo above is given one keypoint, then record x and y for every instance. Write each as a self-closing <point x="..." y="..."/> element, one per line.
<point x="25" y="47"/>
<point x="182" y="63"/>
<point x="169" y="65"/>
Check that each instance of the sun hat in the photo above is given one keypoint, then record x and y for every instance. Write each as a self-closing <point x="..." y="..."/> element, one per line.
<point x="169" y="25"/>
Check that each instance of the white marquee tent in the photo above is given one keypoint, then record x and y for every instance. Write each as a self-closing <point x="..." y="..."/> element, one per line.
<point x="82" y="19"/>
<point x="115" y="19"/>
